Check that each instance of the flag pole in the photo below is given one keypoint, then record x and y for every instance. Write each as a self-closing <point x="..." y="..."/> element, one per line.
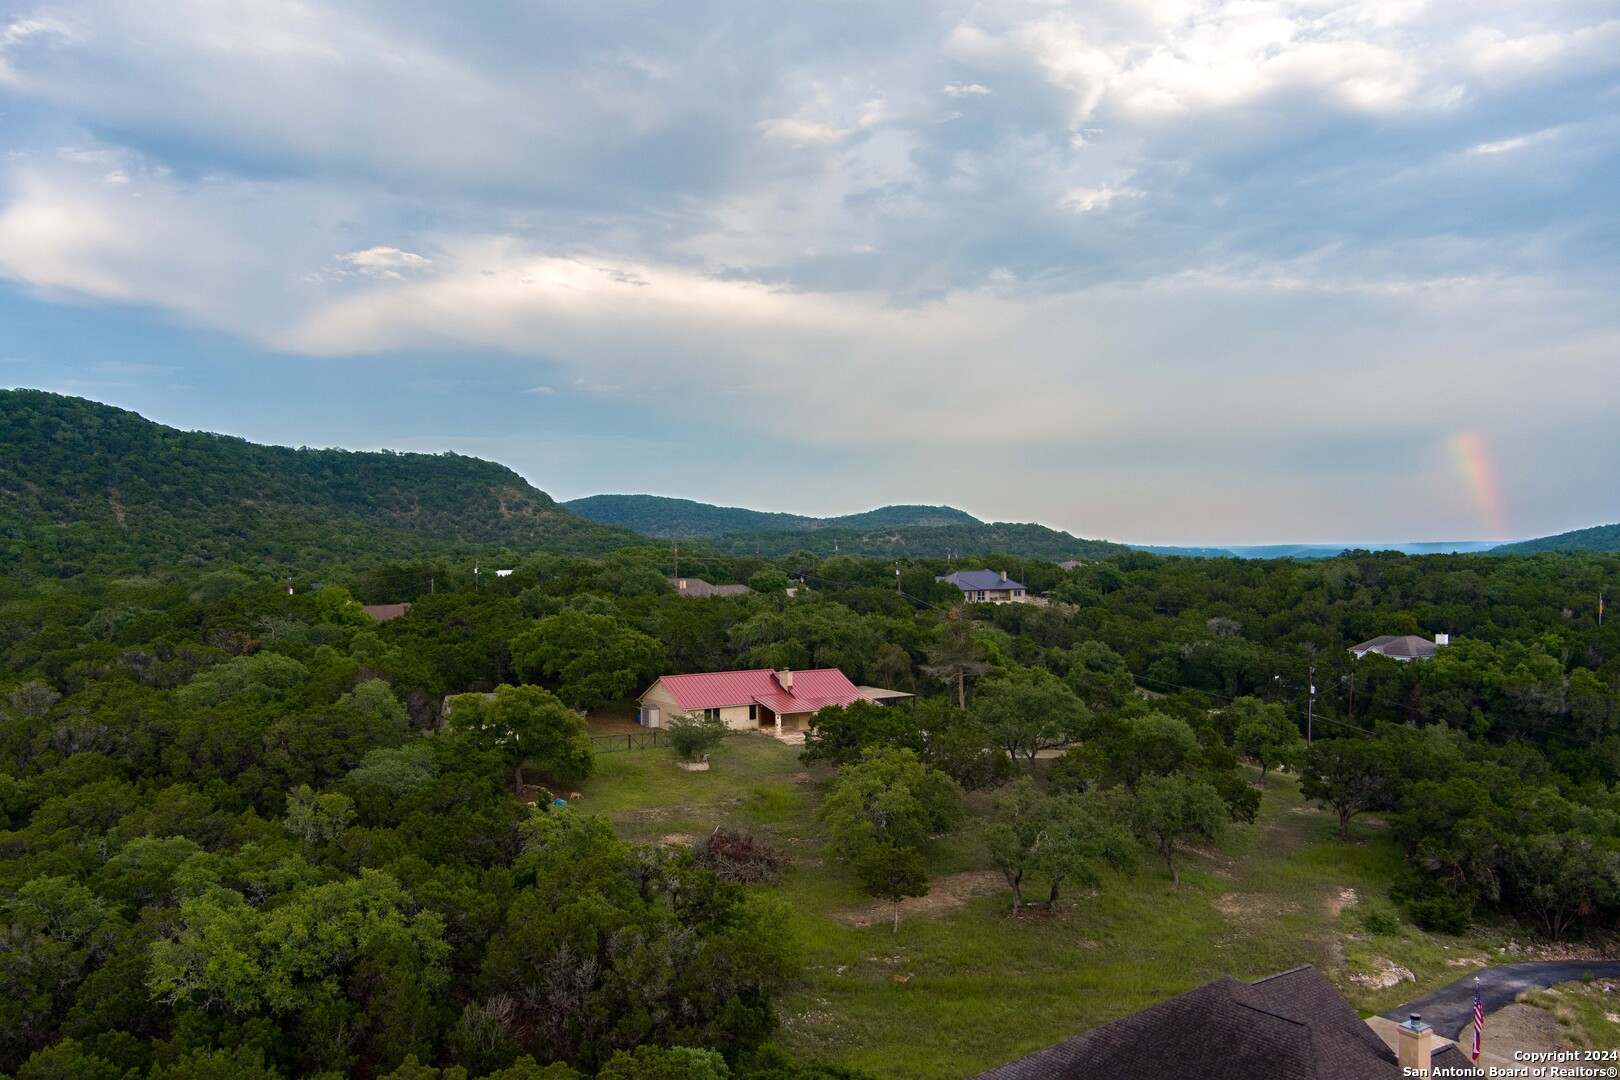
<point x="1479" y="1018"/>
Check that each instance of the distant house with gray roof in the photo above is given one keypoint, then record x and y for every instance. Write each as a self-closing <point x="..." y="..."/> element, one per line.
<point x="988" y="587"/>
<point x="1402" y="647"/>
<point x="702" y="590"/>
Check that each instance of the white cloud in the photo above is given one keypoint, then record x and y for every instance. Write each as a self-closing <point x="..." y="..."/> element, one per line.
<point x="965" y="89"/>
<point x="385" y="262"/>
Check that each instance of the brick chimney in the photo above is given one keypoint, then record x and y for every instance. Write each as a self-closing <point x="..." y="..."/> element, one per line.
<point x="1004" y="575"/>
<point x="1414" y="1041"/>
<point x="785" y="678"/>
<point x="682" y="585"/>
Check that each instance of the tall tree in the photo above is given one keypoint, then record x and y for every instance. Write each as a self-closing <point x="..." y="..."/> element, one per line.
<point x="1171" y="811"/>
<point x="957" y="656"/>
<point x="526" y="724"/>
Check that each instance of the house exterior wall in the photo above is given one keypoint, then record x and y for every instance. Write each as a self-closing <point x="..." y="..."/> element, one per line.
<point x="658" y="696"/>
<point x="995" y="596"/>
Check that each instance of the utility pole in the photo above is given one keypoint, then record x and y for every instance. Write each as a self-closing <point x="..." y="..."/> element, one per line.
<point x="897" y="579"/>
<point x="677" y="560"/>
<point x="1310" y="708"/>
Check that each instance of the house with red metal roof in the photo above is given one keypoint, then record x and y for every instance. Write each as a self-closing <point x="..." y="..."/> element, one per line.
<point x="774" y="701"/>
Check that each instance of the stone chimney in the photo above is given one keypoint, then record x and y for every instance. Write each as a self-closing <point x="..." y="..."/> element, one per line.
<point x="682" y="585"/>
<point x="1004" y="575"/>
<point x="785" y="677"/>
<point x="1442" y="639"/>
<point x="1414" y="1046"/>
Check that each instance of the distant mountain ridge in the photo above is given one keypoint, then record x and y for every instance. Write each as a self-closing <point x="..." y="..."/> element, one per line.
<point x="889" y="532"/>
<point x="1320" y="551"/>
<point x="1597" y="538"/>
<point x="86" y="485"/>
<point x="680" y="519"/>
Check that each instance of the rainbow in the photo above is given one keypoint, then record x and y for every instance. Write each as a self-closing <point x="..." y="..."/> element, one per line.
<point x="1469" y="446"/>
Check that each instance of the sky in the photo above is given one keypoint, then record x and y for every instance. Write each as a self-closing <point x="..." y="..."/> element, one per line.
<point x="1145" y="270"/>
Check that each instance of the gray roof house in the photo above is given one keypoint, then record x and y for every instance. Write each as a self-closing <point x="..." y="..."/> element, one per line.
<point x="1402" y="647"/>
<point x="702" y="590"/>
<point x="1291" y="1026"/>
<point x="988" y="587"/>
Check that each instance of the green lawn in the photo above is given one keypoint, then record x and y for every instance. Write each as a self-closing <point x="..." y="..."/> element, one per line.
<point x="985" y="987"/>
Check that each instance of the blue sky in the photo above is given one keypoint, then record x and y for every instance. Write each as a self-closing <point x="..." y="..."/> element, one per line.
<point x="1167" y="272"/>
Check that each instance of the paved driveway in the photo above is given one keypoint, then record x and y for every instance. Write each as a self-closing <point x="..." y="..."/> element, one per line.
<point x="1450" y="1008"/>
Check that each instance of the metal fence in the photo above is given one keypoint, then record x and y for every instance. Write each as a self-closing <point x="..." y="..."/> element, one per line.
<point x="630" y="740"/>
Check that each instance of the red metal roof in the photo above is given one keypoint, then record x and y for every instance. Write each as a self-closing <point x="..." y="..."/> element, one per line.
<point x="811" y="690"/>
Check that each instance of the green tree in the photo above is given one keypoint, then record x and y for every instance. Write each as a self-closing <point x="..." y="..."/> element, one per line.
<point x="839" y="734"/>
<point x="886" y="871"/>
<point x="1030" y="710"/>
<point x="957" y="657"/>
<point x="891" y="797"/>
<point x="590" y="658"/>
<point x="1264" y="732"/>
<point x="1171" y="811"/>
<point x="1349" y="775"/>
<point x="657" y="1063"/>
<point x="316" y="818"/>
<point x="1057" y="838"/>
<point x="526" y="724"/>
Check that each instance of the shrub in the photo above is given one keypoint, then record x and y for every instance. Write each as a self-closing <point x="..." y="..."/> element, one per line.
<point x="737" y="857"/>
<point x="693" y="737"/>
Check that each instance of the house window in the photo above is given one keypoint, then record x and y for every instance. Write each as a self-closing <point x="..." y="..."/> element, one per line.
<point x="711" y="714"/>
<point x="980" y="596"/>
<point x="753" y="712"/>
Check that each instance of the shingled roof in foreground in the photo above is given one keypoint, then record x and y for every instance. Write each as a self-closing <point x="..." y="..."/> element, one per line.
<point x="1292" y="1026"/>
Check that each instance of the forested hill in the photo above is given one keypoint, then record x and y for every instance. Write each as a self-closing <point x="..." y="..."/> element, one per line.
<point x="922" y="542"/>
<point x="88" y="486"/>
<point x="655" y="515"/>
<point x="1597" y="538"/>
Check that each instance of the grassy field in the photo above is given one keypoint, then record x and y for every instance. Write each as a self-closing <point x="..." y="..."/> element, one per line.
<point x="986" y="987"/>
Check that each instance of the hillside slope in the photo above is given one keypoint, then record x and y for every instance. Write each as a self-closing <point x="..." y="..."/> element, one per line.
<point x="656" y="515"/>
<point x="85" y="485"/>
<point x="1597" y="538"/>
<point x="922" y="542"/>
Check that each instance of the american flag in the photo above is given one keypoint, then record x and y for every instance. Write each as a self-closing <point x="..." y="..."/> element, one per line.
<point x="1479" y="1019"/>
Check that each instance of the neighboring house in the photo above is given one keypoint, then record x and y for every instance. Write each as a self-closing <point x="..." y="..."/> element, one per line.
<point x="384" y="612"/>
<point x="1402" y="647"/>
<point x="777" y="701"/>
<point x="988" y="587"/>
<point x="1292" y="1026"/>
<point x="702" y="590"/>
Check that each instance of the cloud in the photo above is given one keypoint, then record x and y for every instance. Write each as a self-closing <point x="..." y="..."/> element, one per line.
<point x="1133" y="223"/>
<point x="383" y="262"/>
<point x="546" y="390"/>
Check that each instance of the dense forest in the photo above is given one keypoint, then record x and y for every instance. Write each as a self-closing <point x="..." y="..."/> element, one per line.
<point x="248" y="831"/>
<point x="85" y="486"/>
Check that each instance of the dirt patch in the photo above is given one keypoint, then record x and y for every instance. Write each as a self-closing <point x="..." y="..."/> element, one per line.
<point x="1469" y="961"/>
<point x="1521" y="1028"/>
<point x="685" y="839"/>
<point x="1385" y="974"/>
<point x="1252" y="907"/>
<point x="1340" y="900"/>
<point x="944" y="895"/>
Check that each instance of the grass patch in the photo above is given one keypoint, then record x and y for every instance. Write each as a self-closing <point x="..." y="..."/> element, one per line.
<point x="987" y="988"/>
<point x="1588" y="1015"/>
